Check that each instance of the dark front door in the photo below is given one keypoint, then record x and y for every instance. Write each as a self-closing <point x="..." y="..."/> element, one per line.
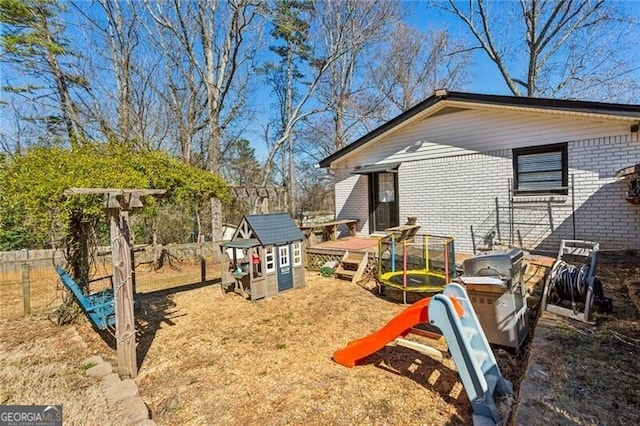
<point x="383" y="196"/>
<point x="285" y="277"/>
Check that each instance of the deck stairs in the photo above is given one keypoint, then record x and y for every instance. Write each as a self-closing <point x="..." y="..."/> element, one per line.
<point x="352" y="266"/>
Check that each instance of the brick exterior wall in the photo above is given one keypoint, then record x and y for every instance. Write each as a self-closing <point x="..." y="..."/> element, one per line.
<point x="352" y="199"/>
<point x="451" y="195"/>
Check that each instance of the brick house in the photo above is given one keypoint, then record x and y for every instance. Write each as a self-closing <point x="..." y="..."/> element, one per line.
<point x="490" y="169"/>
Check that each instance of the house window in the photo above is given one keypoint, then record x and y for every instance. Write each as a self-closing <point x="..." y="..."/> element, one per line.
<point x="386" y="188"/>
<point x="269" y="260"/>
<point x="540" y="170"/>
<point x="297" y="254"/>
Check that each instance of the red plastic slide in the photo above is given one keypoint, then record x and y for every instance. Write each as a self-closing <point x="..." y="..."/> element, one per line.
<point x="398" y="326"/>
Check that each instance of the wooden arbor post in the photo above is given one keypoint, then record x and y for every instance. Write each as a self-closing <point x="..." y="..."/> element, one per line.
<point x="118" y="204"/>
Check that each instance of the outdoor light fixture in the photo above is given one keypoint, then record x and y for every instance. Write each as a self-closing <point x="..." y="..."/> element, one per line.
<point x="441" y="93"/>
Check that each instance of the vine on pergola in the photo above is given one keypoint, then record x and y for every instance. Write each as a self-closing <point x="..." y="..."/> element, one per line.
<point x="33" y="206"/>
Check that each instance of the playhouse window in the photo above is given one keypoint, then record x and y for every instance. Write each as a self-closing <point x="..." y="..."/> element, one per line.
<point x="541" y="169"/>
<point x="284" y="256"/>
<point x="269" y="259"/>
<point x="297" y="254"/>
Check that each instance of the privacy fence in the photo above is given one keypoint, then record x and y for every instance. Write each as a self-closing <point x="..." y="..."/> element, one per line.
<point x="29" y="283"/>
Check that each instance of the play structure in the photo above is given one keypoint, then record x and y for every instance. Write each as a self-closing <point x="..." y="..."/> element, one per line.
<point x="495" y="285"/>
<point x="452" y="313"/>
<point x="99" y="306"/>
<point x="423" y="264"/>
<point x="264" y="256"/>
<point x="572" y="289"/>
<point x="115" y="308"/>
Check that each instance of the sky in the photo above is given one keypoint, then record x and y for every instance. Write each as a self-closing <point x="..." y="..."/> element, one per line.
<point x="484" y="76"/>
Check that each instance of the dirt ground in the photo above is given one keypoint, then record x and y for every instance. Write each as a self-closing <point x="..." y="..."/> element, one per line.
<point x="41" y="365"/>
<point x="590" y="374"/>
<point x="212" y="358"/>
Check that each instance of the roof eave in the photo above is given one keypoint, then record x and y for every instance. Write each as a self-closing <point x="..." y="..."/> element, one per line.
<point x="626" y="112"/>
<point x="389" y="125"/>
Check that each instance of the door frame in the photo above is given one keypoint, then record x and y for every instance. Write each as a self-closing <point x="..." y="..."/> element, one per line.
<point x="373" y="186"/>
<point x="279" y="274"/>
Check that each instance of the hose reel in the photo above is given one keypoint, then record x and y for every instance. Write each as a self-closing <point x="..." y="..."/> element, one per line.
<point x="571" y="283"/>
<point x="575" y="284"/>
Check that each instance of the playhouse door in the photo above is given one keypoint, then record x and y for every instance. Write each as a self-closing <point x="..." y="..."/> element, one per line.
<point x="285" y="276"/>
<point x="383" y="198"/>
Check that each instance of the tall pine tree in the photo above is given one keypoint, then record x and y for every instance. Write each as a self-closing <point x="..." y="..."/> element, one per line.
<point x="291" y="25"/>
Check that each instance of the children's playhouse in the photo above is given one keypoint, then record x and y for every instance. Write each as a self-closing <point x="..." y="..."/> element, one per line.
<point x="264" y="256"/>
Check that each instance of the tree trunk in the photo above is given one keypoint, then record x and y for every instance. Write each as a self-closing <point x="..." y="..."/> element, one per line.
<point x="66" y="106"/>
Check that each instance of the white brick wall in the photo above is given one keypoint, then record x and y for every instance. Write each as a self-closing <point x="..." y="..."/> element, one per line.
<point x="449" y="195"/>
<point x="352" y="199"/>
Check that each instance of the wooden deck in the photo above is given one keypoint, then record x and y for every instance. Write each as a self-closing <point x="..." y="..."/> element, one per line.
<point x="535" y="272"/>
<point x="350" y="243"/>
<point x="319" y="253"/>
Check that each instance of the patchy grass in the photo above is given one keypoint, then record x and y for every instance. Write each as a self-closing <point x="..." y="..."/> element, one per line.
<point x="39" y="365"/>
<point x="88" y="365"/>
<point x="212" y="358"/>
<point x="592" y="374"/>
<point x="270" y="361"/>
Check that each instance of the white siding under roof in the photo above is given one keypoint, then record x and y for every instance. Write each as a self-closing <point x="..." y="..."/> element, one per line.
<point x="456" y="167"/>
<point x="473" y="131"/>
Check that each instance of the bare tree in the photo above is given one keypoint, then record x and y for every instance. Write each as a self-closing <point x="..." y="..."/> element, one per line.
<point x="14" y="131"/>
<point x="324" y="65"/>
<point x="413" y="64"/>
<point x="298" y="113"/>
<point x="122" y="37"/>
<point x="291" y="22"/>
<point x="127" y="107"/>
<point x="570" y="48"/>
<point x="358" y="25"/>
<point x="180" y="88"/>
<point x="213" y="35"/>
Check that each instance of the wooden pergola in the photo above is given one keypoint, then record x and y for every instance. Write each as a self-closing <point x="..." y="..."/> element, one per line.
<point x="118" y="202"/>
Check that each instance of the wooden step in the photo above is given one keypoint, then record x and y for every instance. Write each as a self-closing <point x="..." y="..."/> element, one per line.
<point x="352" y="266"/>
<point x="346" y="273"/>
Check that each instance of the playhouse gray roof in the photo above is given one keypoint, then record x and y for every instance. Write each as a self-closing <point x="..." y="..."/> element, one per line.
<point x="274" y="228"/>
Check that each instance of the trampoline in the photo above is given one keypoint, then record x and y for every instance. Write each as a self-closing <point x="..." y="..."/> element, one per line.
<point x="423" y="266"/>
<point x="419" y="281"/>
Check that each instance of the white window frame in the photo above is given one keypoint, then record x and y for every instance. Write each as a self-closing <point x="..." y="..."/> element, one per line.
<point x="269" y="259"/>
<point x="283" y="254"/>
<point x="297" y="254"/>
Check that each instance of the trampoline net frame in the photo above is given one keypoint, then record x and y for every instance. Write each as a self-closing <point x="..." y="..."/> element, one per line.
<point x="425" y="264"/>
